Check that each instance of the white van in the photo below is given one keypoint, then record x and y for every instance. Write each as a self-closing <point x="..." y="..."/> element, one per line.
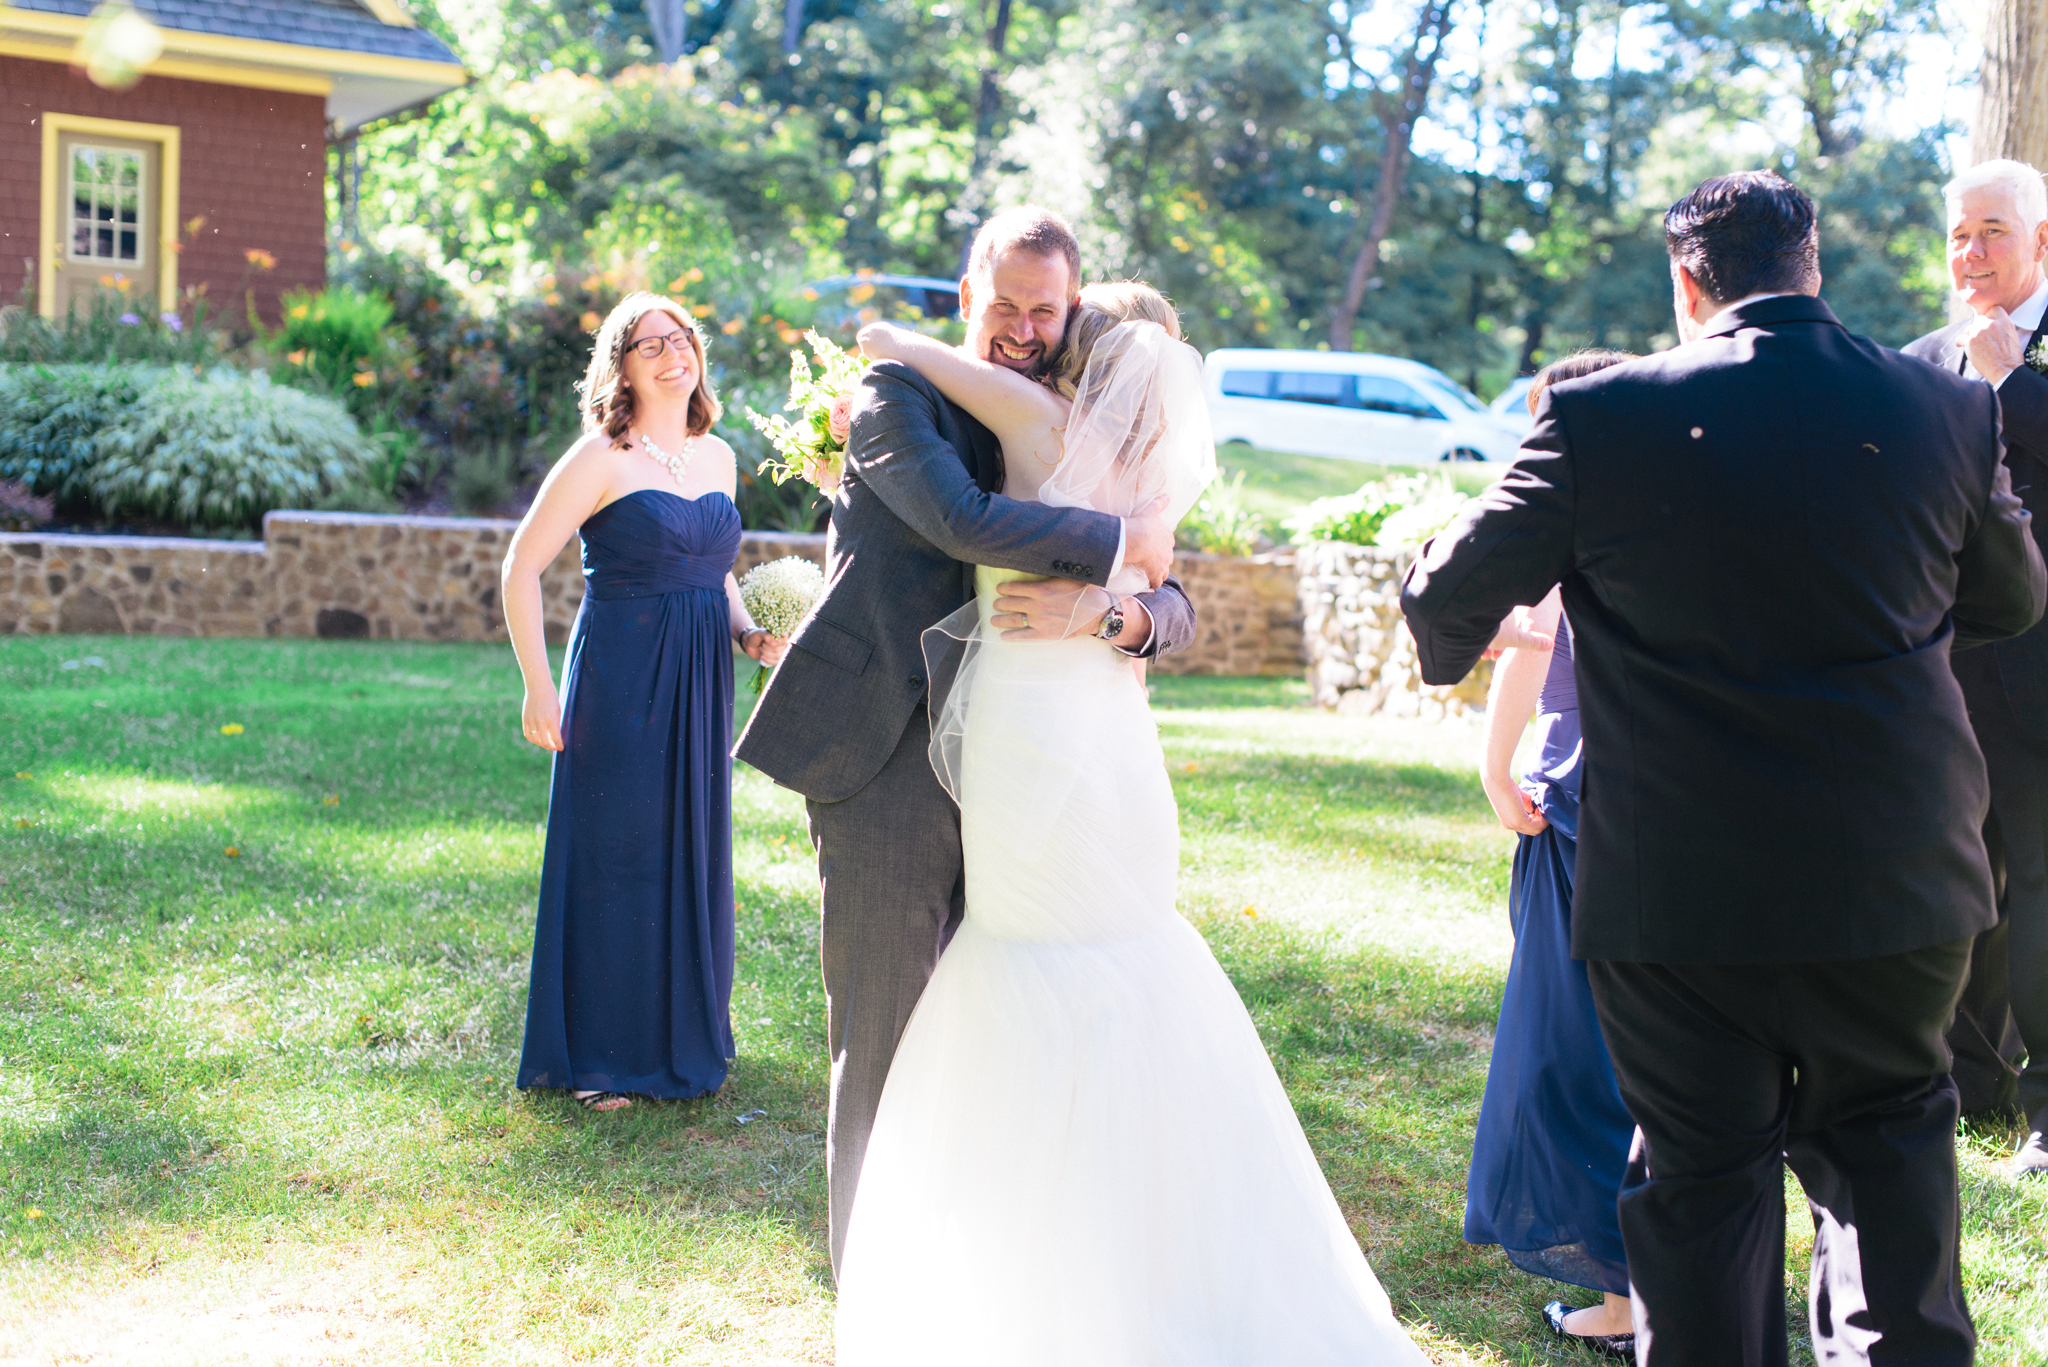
<point x="1351" y="405"/>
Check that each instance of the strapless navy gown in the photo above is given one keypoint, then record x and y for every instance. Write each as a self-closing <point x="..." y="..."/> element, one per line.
<point x="1553" y="1135"/>
<point x="633" y="945"/>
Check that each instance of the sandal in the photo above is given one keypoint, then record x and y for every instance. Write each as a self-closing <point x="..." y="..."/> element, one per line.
<point x="1622" y="1346"/>
<point x="603" y="1101"/>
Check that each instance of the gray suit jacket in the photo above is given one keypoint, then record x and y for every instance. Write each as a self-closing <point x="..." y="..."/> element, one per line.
<point x="2022" y="662"/>
<point x="909" y="524"/>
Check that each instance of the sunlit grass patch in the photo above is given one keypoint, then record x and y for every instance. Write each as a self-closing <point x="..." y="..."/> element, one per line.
<point x="259" y="1107"/>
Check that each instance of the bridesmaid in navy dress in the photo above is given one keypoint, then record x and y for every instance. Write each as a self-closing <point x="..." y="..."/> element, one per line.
<point x="633" y="944"/>
<point x="1553" y="1135"/>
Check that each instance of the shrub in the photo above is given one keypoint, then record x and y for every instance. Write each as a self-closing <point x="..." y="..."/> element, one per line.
<point x="1401" y="510"/>
<point x="114" y="325"/>
<point x="22" y="511"/>
<point x="221" y="450"/>
<point x="51" y="417"/>
<point x="1220" y="523"/>
<point x="336" y="334"/>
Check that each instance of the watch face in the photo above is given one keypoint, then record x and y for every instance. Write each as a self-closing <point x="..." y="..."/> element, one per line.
<point x="1112" y="625"/>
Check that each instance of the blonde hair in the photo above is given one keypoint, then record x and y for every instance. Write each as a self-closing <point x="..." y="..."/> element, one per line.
<point x="608" y="399"/>
<point x="1100" y="308"/>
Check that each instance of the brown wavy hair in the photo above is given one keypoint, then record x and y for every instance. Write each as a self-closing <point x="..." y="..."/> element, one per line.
<point x="1100" y="308"/>
<point x="1575" y="366"/>
<point x="608" y="399"/>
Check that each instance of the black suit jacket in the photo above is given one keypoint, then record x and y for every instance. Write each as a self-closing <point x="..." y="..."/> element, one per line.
<point x="1768" y="540"/>
<point x="910" y="521"/>
<point x="2019" y="676"/>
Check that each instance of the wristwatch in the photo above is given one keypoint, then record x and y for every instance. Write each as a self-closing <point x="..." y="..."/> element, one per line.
<point x="1112" y="622"/>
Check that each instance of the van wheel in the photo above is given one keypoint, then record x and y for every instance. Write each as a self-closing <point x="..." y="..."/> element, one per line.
<point x="1461" y="453"/>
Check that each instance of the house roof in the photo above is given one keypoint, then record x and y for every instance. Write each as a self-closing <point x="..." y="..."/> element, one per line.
<point x="366" y="56"/>
<point x="341" y="25"/>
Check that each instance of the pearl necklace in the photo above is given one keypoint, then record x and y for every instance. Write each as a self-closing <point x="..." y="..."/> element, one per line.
<point x="676" y="465"/>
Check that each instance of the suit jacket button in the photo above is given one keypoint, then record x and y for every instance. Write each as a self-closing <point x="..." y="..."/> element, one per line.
<point x="917" y="681"/>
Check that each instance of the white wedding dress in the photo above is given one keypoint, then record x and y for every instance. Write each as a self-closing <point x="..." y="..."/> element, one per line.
<point x="1083" y="1155"/>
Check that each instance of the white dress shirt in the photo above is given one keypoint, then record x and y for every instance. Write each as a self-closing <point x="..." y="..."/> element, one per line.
<point x="2026" y="318"/>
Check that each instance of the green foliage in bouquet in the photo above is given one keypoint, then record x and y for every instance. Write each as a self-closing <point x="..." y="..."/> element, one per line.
<point x="814" y="446"/>
<point x="223" y="449"/>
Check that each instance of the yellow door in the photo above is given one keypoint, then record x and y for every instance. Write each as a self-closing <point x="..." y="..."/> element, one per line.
<point x="109" y="220"/>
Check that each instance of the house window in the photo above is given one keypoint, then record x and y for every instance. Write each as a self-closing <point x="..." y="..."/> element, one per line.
<point x="107" y="195"/>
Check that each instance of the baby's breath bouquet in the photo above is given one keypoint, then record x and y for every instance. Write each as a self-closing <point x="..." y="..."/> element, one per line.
<point x="778" y="594"/>
<point x="813" y="447"/>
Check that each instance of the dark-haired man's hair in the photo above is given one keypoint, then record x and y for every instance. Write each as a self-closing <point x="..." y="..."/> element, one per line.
<point x="1752" y="232"/>
<point x="1028" y="228"/>
<point x="1572" y="367"/>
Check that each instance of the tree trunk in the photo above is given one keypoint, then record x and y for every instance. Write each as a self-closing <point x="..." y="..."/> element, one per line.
<point x="986" y="110"/>
<point x="2012" y="109"/>
<point x="1398" y="114"/>
<point x="671" y="24"/>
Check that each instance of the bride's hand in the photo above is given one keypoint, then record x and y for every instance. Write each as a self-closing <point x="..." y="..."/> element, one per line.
<point x="877" y="340"/>
<point x="1049" y="609"/>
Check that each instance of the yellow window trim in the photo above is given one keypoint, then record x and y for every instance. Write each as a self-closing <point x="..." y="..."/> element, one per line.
<point x="166" y="137"/>
<point x="389" y="13"/>
<point x="289" y="56"/>
<point x="216" y="73"/>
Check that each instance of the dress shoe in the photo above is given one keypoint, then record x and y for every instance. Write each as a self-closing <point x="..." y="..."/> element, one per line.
<point x="1621" y="1346"/>
<point x="2032" y="1159"/>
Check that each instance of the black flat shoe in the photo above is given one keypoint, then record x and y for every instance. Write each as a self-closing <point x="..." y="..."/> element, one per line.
<point x="1622" y="1346"/>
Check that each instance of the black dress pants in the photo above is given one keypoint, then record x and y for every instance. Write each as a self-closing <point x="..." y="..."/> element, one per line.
<point x="2000" y="1035"/>
<point x="1839" y="1068"/>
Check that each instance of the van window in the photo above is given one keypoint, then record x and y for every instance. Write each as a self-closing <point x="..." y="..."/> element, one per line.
<point x="1459" y="396"/>
<point x="1248" y="384"/>
<point x="1312" y="387"/>
<point x="1384" y="394"/>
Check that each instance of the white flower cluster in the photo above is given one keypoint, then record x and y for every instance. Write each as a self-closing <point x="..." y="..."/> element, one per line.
<point x="779" y="593"/>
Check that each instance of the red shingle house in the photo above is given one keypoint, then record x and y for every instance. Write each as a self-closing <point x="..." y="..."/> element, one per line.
<point x="163" y="142"/>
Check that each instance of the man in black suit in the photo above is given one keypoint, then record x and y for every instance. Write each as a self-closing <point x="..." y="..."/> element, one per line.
<point x="1768" y="539"/>
<point x="1997" y="240"/>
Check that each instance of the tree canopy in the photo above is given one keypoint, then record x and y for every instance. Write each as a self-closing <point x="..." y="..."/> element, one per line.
<point x="1229" y="151"/>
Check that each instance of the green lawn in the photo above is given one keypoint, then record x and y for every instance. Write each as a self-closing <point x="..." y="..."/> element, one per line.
<point x="262" y="997"/>
<point x="1276" y="483"/>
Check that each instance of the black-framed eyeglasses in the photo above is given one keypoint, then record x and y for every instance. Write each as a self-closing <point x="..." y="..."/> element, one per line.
<point x="650" y="348"/>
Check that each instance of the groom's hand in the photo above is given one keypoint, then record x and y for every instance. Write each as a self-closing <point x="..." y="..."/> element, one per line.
<point x="1148" y="543"/>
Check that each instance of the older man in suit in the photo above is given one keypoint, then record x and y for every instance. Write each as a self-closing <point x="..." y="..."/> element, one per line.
<point x="843" y="721"/>
<point x="1768" y="539"/>
<point x="1997" y="241"/>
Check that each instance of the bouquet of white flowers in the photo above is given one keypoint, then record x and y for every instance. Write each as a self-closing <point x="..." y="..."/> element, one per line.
<point x="778" y="594"/>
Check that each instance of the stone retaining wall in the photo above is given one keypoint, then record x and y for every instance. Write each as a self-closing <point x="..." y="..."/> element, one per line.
<point x="1360" y="656"/>
<point x="342" y="575"/>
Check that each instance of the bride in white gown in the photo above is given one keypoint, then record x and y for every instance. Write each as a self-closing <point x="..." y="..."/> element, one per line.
<point x="1082" y="1154"/>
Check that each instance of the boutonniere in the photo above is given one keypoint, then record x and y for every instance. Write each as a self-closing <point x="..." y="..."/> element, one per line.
<point x="2037" y="357"/>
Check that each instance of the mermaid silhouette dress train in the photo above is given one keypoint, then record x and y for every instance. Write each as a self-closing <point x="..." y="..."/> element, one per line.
<point x="633" y="943"/>
<point x="1083" y="1155"/>
<point x="1553" y="1135"/>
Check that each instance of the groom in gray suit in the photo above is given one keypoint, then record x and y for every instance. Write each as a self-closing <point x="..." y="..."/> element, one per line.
<point x="844" y="718"/>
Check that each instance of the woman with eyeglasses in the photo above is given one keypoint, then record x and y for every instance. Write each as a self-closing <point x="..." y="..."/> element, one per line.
<point x="633" y="944"/>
